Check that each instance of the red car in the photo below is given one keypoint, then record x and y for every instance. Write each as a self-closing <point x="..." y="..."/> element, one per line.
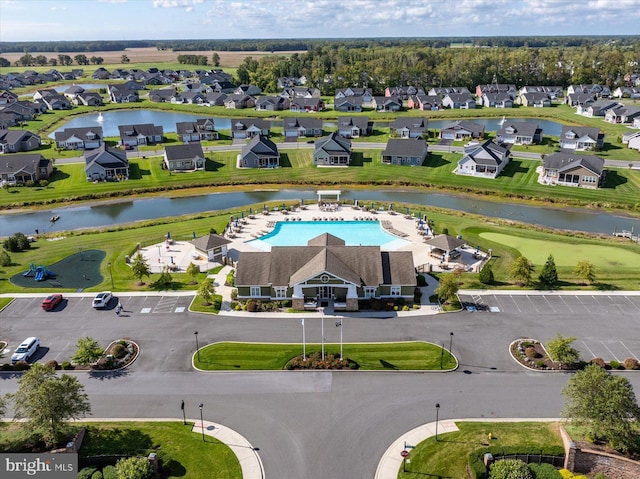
<point x="51" y="302"/>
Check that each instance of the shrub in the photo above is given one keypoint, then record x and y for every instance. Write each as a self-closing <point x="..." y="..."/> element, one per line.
<point x="421" y="280"/>
<point x="486" y="274"/>
<point x="630" y="363"/>
<point x="615" y="364"/>
<point x="253" y="306"/>
<point x="119" y="351"/>
<point x="5" y="259"/>
<point x="96" y="475"/>
<point x="53" y="364"/>
<point x="599" y="361"/>
<point x="530" y="352"/>
<point x="66" y="365"/>
<point x="234" y="294"/>
<point x="544" y="471"/>
<point x="17" y="242"/>
<point x="540" y="363"/>
<point x="510" y="469"/>
<point x="21" y="366"/>
<point x="43" y="183"/>
<point x="30" y="183"/>
<point x="405" y="308"/>
<point x="109" y="472"/>
<point x="86" y="472"/>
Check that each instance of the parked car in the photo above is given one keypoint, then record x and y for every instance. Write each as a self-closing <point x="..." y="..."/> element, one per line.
<point x="51" y="301"/>
<point x="102" y="300"/>
<point x="25" y="350"/>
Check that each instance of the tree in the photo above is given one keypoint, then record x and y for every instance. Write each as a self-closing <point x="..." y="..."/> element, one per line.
<point x="47" y="401"/>
<point x="486" y="274"/>
<point x="521" y="270"/>
<point x="215" y="59"/>
<point x="17" y="242"/>
<point x="193" y="270"/>
<point x="548" y="277"/>
<point x="448" y="288"/>
<point x="134" y="468"/>
<point x="140" y="268"/>
<point x="510" y="469"/>
<point x="206" y="291"/>
<point x="605" y="405"/>
<point x="124" y="59"/>
<point x="81" y="59"/>
<point x="88" y="351"/>
<point x="5" y="259"/>
<point x="585" y="270"/>
<point x="64" y="60"/>
<point x="560" y="349"/>
<point x="96" y="60"/>
<point x="3" y="405"/>
<point x="165" y="277"/>
<point x="4" y="62"/>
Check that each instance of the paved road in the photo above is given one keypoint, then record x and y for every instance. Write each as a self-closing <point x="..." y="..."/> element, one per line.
<point x="313" y="424"/>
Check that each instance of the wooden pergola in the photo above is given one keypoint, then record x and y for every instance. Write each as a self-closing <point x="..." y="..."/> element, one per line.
<point x="330" y="193"/>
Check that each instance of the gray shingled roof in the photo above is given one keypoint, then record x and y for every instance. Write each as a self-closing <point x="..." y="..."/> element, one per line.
<point x="82" y="133"/>
<point x="186" y="151"/>
<point x="562" y="162"/>
<point x="445" y="242"/>
<point x="415" y="147"/>
<point x="209" y="242"/>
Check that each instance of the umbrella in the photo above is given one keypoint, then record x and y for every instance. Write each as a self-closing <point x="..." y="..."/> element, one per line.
<point x="194" y="235"/>
<point x="168" y="235"/>
<point x="242" y="214"/>
<point x="407" y="212"/>
<point x="264" y="207"/>
<point x="420" y="215"/>
<point x="236" y="222"/>
<point x="250" y="211"/>
<point x="302" y="202"/>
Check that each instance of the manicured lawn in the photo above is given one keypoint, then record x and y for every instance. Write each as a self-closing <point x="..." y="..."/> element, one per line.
<point x="412" y="355"/>
<point x="449" y="456"/>
<point x="4" y="302"/>
<point x="195" y="459"/>
<point x="198" y="304"/>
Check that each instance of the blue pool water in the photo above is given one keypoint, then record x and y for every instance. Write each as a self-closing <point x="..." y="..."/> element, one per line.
<point x="354" y="233"/>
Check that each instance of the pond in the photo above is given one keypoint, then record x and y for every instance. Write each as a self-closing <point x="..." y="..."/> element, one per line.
<point x="144" y="209"/>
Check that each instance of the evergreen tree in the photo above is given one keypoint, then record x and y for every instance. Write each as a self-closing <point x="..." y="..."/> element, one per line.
<point x="486" y="274"/>
<point x="549" y="275"/>
<point x="88" y="351"/>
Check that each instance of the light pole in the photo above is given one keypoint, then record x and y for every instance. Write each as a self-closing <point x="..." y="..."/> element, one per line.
<point x="184" y="417"/>
<point x="437" y="411"/>
<point x="110" y="274"/>
<point x="197" y="347"/>
<point x="450" y="345"/>
<point x="322" y="327"/>
<point x="202" y="421"/>
<point x="441" y="355"/>
<point x="304" y="346"/>
<point x="339" y="325"/>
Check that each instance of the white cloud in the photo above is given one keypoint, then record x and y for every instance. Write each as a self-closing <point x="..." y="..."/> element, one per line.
<point x="187" y="4"/>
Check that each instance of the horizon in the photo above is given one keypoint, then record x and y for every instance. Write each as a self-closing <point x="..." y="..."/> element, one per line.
<point x="147" y="20"/>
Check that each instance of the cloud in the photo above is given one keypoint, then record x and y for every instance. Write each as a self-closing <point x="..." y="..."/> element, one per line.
<point x="187" y="4"/>
<point x="113" y="1"/>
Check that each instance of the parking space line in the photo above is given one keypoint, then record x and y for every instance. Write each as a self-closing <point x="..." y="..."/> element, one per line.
<point x="610" y="352"/>
<point x="515" y="303"/>
<point x="533" y="304"/>
<point x="589" y="349"/>
<point x="634" y="304"/>
<point x="553" y="310"/>
<point x="566" y="304"/>
<point x="630" y="352"/>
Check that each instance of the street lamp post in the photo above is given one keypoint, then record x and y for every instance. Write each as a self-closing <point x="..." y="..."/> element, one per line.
<point x="202" y="420"/>
<point x="450" y="345"/>
<point x="110" y="274"/>
<point x="197" y="346"/>
<point x="339" y="325"/>
<point x="437" y="411"/>
<point x="304" y="346"/>
<point x="322" y="327"/>
<point x="441" y="355"/>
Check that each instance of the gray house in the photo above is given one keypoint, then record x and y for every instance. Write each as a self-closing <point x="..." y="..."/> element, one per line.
<point x="187" y="157"/>
<point x="297" y="127"/>
<point x="462" y="130"/>
<point x="213" y="246"/>
<point x="21" y="168"/>
<point x="106" y="164"/>
<point x="200" y="130"/>
<point x="519" y="133"/>
<point x="15" y="141"/>
<point x="86" y="138"/>
<point x="260" y="152"/>
<point x="354" y="126"/>
<point x="348" y="104"/>
<point x="459" y="100"/>
<point x="409" y="127"/>
<point x="145" y="134"/>
<point x="570" y="169"/>
<point x="485" y="160"/>
<point x="249" y="127"/>
<point x="333" y="150"/>
<point x="581" y="138"/>
<point x="405" y="152"/>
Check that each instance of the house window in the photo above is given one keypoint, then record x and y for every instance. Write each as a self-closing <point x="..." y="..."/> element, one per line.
<point x="281" y="292"/>
<point x="369" y="292"/>
<point x="395" y="290"/>
<point x="588" y="179"/>
<point x="255" y="291"/>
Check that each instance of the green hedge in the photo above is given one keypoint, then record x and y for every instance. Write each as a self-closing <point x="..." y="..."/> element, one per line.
<point x="476" y="458"/>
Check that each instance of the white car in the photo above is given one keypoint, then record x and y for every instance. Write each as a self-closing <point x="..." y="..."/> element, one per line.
<point x="102" y="300"/>
<point x="25" y="350"/>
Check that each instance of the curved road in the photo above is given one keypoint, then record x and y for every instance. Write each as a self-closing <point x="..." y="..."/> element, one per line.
<point x="311" y="424"/>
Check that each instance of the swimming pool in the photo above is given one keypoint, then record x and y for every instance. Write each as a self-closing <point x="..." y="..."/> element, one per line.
<point x="354" y="233"/>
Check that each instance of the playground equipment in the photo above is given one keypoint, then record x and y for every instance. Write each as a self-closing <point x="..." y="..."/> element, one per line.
<point x="40" y="272"/>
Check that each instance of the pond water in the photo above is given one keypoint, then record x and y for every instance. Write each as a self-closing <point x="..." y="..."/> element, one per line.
<point x="124" y="212"/>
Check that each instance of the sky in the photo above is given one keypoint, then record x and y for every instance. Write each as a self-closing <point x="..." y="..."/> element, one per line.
<point x="40" y="20"/>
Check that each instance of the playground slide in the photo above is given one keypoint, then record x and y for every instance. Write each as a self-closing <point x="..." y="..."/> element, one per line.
<point x="30" y="271"/>
<point x="39" y="274"/>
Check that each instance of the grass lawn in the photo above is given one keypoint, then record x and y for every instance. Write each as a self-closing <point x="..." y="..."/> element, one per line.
<point x="449" y="456"/>
<point x="4" y="302"/>
<point x="198" y="305"/>
<point x="412" y="355"/>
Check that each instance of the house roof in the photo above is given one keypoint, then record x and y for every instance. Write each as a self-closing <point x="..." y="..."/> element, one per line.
<point x="11" y="137"/>
<point x="240" y="124"/>
<point x="82" y="133"/>
<point x="361" y="122"/>
<point x="580" y="132"/>
<point x="562" y="162"/>
<point x="487" y="153"/>
<point x="465" y="125"/>
<point x="301" y="122"/>
<point x="183" y="152"/>
<point x="146" y="129"/>
<point x="260" y="147"/>
<point x="209" y="242"/>
<point x="334" y="143"/>
<point x="523" y="128"/>
<point x="27" y="162"/>
<point x="415" y="147"/>
<point x="106" y="157"/>
<point x="413" y="124"/>
<point x="445" y="242"/>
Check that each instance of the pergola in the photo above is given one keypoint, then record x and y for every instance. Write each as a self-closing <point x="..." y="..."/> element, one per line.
<point x="445" y="246"/>
<point x="330" y="193"/>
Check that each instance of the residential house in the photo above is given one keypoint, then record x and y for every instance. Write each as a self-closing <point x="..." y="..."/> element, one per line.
<point x="239" y="101"/>
<point x="519" y="133"/>
<point x="569" y="169"/>
<point x="106" y="164"/>
<point x="52" y="99"/>
<point x="326" y="269"/>
<point x="272" y="103"/>
<point x="354" y="126"/>
<point x="297" y="127"/>
<point x="7" y="97"/>
<point x="496" y="100"/>
<point x="484" y="160"/>
<point x="162" y="95"/>
<point x="581" y="138"/>
<point x="621" y="92"/>
<point x="22" y="112"/>
<point x="387" y="103"/>
<point x="405" y="152"/>
<point x="443" y="91"/>
<point x="408" y="127"/>
<point x="536" y="99"/>
<point x="212" y="246"/>
<point x="425" y="102"/>
<point x="87" y="138"/>
<point x="119" y="94"/>
<point x="403" y="92"/>
<point x="300" y="92"/>
<point x="24" y="167"/>
<point x="190" y="97"/>
<point x="216" y="99"/>
<point x="628" y="136"/>
<point x="332" y="150"/>
<point x="250" y="90"/>
<point x="597" y="108"/>
<point x="348" y="104"/>
<point x="366" y="95"/>
<point x="462" y="130"/>
<point x="302" y="105"/>
<point x="260" y="152"/>
<point x="187" y="157"/>
<point x="249" y="127"/>
<point x="88" y="98"/>
<point x="622" y="114"/>
<point x="459" y="101"/>
<point x="494" y="88"/>
<point x="553" y="92"/>
<point x="600" y="91"/>
<point x="101" y="73"/>
<point x="71" y="92"/>
<point x="144" y="134"/>
<point x="15" y="141"/>
<point x="202" y="129"/>
<point x="634" y="143"/>
<point x="579" y="99"/>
